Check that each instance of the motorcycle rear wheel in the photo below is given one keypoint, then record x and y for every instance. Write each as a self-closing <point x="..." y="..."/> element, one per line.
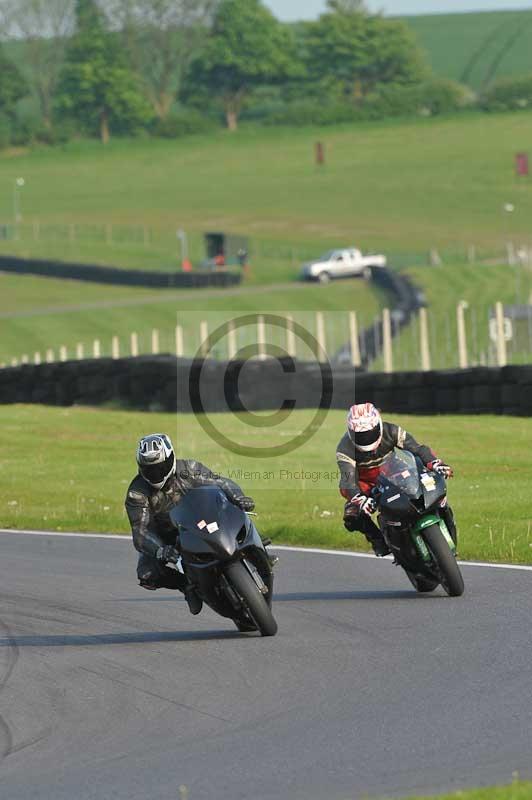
<point x="252" y="598"/>
<point x="451" y="577"/>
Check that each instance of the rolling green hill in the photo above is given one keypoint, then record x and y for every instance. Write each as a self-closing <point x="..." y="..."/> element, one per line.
<point x="476" y="48"/>
<point x="391" y="186"/>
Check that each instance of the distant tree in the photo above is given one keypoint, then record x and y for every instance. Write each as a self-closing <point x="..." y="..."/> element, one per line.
<point x="358" y="51"/>
<point x="41" y="29"/>
<point x="97" y="87"/>
<point x="162" y="36"/>
<point x="13" y="87"/>
<point x="247" y="48"/>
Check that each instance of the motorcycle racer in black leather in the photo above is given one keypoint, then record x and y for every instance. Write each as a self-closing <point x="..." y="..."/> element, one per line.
<point x="360" y="454"/>
<point x="161" y="482"/>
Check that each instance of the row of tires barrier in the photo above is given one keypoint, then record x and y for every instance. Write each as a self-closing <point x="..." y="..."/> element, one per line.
<point x="117" y="276"/>
<point x="165" y="383"/>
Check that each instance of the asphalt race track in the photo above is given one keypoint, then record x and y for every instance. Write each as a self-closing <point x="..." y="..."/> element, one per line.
<point x="110" y="692"/>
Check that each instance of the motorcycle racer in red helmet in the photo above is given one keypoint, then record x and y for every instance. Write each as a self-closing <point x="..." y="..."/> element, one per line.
<point x="360" y="455"/>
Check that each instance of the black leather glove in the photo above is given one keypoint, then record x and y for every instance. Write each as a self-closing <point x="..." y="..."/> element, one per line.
<point x="168" y="554"/>
<point x="245" y="503"/>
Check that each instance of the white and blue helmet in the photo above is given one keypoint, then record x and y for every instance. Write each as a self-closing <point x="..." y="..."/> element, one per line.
<point x="156" y="459"/>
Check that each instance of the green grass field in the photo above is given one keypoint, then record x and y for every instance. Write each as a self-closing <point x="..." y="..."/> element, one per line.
<point x="472" y="47"/>
<point x="81" y="461"/>
<point x="399" y="187"/>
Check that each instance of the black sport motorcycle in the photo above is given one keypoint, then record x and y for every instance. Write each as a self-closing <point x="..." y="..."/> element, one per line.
<point x="409" y="498"/>
<point x="225" y="559"/>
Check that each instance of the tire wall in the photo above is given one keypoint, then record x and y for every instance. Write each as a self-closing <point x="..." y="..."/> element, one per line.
<point x="116" y="275"/>
<point x="164" y="383"/>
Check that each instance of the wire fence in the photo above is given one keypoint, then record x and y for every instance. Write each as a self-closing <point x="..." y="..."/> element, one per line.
<point x="466" y="337"/>
<point x="165" y="248"/>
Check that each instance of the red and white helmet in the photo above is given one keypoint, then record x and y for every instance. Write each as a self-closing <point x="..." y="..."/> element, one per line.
<point x="364" y="426"/>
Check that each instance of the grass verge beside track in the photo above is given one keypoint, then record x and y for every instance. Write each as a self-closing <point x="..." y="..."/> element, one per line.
<point x="68" y="469"/>
<point x="515" y="791"/>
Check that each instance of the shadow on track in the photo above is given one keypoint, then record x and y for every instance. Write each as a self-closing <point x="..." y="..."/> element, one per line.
<point x="391" y="594"/>
<point x="59" y="640"/>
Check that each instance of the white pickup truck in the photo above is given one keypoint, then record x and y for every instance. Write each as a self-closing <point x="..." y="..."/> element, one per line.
<point x="347" y="263"/>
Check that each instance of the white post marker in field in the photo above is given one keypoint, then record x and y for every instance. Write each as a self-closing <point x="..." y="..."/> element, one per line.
<point x="291" y="347"/>
<point x="80" y="351"/>
<point x="502" y="358"/>
<point x="134" y="345"/>
<point x="356" y="360"/>
<point x="320" y="336"/>
<point x="50" y="357"/>
<point x="25" y="359"/>
<point x="155" y="342"/>
<point x="37" y="358"/>
<point x="96" y="349"/>
<point x="387" y="340"/>
<point x="461" y="331"/>
<point x="115" y="347"/>
<point x="63" y="353"/>
<point x="424" y="339"/>
<point x="179" y="349"/>
<point x="231" y="340"/>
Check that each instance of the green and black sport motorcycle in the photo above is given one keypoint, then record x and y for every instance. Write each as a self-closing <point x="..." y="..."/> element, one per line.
<point x="409" y="498"/>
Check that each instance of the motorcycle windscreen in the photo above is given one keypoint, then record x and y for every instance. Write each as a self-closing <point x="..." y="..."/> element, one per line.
<point x="400" y="470"/>
<point x="206" y="510"/>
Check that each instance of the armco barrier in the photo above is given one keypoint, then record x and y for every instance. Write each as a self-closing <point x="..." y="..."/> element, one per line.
<point x="118" y="276"/>
<point x="163" y="383"/>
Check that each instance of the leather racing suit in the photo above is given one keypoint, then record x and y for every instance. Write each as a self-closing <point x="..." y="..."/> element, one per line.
<point x="359" y="471"/>
<point x="148" y="510"/>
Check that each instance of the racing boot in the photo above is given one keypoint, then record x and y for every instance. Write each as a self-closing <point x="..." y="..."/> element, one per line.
<point x="195" y="603"/>
<point x="378" y="542"/>
<point x="273" y="559"/>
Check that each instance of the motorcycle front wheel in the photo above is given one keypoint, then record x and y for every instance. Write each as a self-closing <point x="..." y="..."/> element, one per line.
<point x="252" y="598"/>
<point x="449" y="571"/>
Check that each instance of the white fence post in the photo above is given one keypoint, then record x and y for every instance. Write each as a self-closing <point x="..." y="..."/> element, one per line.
<point x="80" y="351"/>
<point x="424" y="339"/>
<point x="96" y="349"/>
<point x="115" y="347"/>
<point x="37" y="358"/>
<point x="204" y="338"/>
<point x="502" y="358"/>
<point x="462" y="339"/>
<point x="291" y="347"/>
<point x="179" y="350"/>
<point x="261" y="337"/>
<point x="25" y="359"/>
<point x="320" y="335"/>
<point x="231" y="340"/>
<point x="134" y="345"/>
<point x="50" y="357"/>
<point x="155" y="342"/>
<point x="387" y="340"/>
<point x="356" y="360"/>
<point x="63" y="353"/>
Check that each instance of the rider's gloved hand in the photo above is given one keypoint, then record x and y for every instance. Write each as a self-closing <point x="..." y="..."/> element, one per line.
<point x="360" y="504"/>
<point x="168" y="554"/>
<point x="440" y="468"/>
<point x="245" y="503"/>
